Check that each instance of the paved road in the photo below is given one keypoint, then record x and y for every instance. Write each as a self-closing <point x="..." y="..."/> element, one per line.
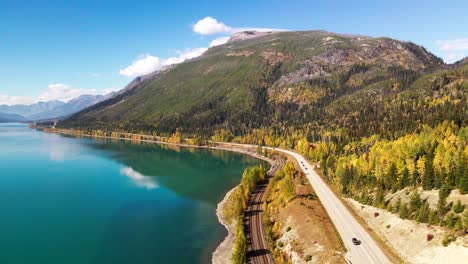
<point x="347" y="226"/>
<point x="259" y="252"/>
<point x="345" y="223"/>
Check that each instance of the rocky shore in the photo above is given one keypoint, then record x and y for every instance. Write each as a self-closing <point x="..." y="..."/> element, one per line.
<point x="223" y="252"/>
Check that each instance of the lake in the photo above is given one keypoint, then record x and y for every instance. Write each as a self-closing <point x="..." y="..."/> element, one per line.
<point x="82" y="200"/>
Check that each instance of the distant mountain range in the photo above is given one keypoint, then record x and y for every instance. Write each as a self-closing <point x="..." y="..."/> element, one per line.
<point x="29" y="110"/>
<point x="47" y="110"/>
<point x="5" y="118"/>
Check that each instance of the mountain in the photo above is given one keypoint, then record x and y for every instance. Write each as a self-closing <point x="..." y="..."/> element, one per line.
<point x="6" y="118"/>
<point x="379" y="115"/>
<point x="28" y="110"/>
<point x="70" y="107"/>
<point x="247" y="35"/>
<point x="53" y="109"/>
<point x="461" y="62"/>
<point x="280" y="79"/>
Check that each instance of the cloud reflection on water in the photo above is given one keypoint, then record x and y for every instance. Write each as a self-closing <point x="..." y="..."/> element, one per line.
<point x="139" y="179"/>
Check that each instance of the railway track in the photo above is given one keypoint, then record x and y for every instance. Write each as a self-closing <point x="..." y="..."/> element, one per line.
<point x="259" y="252"/>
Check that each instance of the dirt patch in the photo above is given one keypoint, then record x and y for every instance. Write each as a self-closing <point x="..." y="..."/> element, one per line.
<point x="432" y="196"/>
<point x="305" y="233"/>
<point x="410" y="239"/>
<point x="239" y="53"/>
<point x="273" y="56"/>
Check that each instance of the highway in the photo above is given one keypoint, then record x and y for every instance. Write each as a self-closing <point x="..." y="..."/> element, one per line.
<point x="368" y="252"/>
<point x="259" y="252"/>
<point x="345" y="223"/>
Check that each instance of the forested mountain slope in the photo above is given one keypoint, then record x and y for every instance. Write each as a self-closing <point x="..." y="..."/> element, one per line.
<point x="284" y="79"/>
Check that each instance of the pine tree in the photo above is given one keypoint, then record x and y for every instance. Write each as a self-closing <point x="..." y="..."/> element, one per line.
<point x="403" y="211"/>
<point x="433" y="217"/>
<point x="323" y="166"/>
<point x="423" y="213"/>
<point x="465" y="220"/>
<point x="428" y="177"/>
<point x="404" y="180"/>
<point x="458" y="224"/>
<point x="346" y="179"/>
<point x="391" y="177"/>
<point x="397" y="206"/>
<point x="464" y="181"/>
<point x="461" y="174"/>
<point x="444" y="192"/>
<point x="380" y="198"/>
<point x="451" y="179"/>
<point x="414" y="179"/>
<point x="415" y="203"/>
<point x="458" y="207"/>
<point x="464" y="184"/>
<point x="439" y="179"/>
<point x="442" y="208"/>
<point x="450" y="220"/>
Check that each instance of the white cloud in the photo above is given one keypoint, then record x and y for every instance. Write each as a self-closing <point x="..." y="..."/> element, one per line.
<point x="12" y="100"/>
<point x="147" y="63"/>
<point x="210" y="26"/>
<point x="55" y="91"/>
<point x="219" y="41"/>
<point x="185" y="55"/>
<point x="452" y="57"/>
<point x="143" y="65"/>
<point x="139" y="179"/>
<point x="452" y="45"/>
<point x="453" y="50"/>
<point x="63" y="92"/>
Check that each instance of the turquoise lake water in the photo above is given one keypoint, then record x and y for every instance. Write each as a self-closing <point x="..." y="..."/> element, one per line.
<point x="81" y="200"/>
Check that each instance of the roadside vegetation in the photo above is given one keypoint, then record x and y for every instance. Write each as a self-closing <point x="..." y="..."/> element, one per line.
<point x="237" y="205"/>
<point x="281" y="190"/>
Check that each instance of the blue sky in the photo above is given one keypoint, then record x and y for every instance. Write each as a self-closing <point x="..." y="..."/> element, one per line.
<point x="61" y="49"/>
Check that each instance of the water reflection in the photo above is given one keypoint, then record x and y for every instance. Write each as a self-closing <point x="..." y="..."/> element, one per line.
<point x="69" y="200"/>
<point x="187" y="172"/>
<point x="139" y="179"/>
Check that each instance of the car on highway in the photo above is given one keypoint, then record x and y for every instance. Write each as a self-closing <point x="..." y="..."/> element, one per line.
<point x="356" y="241"/>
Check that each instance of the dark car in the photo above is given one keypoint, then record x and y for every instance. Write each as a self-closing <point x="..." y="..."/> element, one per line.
<point x="356" y="241"/>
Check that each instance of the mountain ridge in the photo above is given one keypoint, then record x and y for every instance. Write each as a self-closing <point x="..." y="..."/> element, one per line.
<point x="7" y="118"/>
<point x="239" y="83"/>
<point x="31" y="109"/>
<point x="52" y="109"/>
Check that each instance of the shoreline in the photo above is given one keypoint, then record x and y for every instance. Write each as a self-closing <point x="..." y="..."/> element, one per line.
<point x="223" y="251"/>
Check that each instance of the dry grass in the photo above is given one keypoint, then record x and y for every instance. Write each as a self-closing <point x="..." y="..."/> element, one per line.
<point x="306" y="234"/>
